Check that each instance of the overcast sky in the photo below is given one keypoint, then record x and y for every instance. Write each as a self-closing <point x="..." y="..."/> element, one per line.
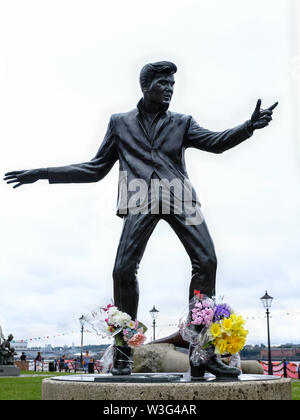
<point x="65" y="67"/>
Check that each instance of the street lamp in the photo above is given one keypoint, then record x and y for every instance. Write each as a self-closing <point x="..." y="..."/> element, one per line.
<point x="81" y="320"/>
<point x="266" y="300"/>
<point x="153" y="314"/>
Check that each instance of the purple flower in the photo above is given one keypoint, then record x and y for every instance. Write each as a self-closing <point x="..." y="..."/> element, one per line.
<point x="221" y="311"/>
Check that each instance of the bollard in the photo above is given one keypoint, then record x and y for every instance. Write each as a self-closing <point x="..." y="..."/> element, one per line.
<point x="284" y="368"/>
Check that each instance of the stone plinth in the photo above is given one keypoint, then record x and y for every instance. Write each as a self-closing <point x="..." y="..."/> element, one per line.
<point x="9" y="370"/>
<point x="248" y="387"/>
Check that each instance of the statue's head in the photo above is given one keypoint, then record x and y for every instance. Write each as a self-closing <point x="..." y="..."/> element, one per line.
<point x="10" y="337"/>
<point x="157" y="82"/>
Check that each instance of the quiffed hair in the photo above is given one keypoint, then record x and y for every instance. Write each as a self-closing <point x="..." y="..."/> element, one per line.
<point x="149" y="71"/>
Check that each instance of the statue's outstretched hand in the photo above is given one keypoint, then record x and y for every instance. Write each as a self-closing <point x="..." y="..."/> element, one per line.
<point x="262" y="117"/>
<point x="22" y="177"/>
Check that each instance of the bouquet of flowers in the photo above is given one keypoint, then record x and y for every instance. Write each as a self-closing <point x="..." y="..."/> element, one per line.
<point x="228" y="334"/>
<point x="123" y="328"/>
<point x="214" y="324"/>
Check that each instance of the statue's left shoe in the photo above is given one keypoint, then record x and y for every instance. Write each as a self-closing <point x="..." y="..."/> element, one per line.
<point x="212" y="365"/>
<point x="220" y="369"/>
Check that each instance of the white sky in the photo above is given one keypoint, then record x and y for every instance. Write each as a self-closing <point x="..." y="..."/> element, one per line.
<point x="65" y="67"/>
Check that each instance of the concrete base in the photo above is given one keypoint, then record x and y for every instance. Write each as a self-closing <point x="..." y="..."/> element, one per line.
<point x="248" y="387"/>
<point x="9" y="370"/>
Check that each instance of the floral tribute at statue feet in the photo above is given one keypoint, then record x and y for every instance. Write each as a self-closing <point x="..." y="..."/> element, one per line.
<point x="128" y="334"/>
<point x="125" y="330"/>
<point x="109" y="321"/>
<point x="212" y="329"/>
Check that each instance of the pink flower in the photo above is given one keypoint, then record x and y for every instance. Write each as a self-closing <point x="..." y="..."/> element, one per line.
<point x="108" y="306"/>
<point x="137" y="340"/>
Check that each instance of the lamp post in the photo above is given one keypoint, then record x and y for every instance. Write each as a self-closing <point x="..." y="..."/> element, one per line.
<point x="81" y="320"/>
<point x="267" y="302"/>
<point x="154" y="313"/>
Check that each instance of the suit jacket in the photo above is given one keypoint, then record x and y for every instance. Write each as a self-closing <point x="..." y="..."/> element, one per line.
<point x="140" y="155"/>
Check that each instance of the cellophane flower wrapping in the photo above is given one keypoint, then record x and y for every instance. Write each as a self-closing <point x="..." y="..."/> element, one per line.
<point x="109" y="322"/>
<point x="212" y="328"/>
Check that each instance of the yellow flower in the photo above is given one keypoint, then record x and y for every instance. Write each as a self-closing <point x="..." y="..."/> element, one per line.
<point x="238" y="322"/>
<point x="227" y="325"/>
<point x="221" y="346"/>
<point x="243" y="333"/>
<point x="215" y="330"/>
<point x="235" y="344"/>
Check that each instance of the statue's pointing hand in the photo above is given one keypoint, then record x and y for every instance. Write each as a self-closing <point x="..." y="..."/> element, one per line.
<point x="262" y="117"/>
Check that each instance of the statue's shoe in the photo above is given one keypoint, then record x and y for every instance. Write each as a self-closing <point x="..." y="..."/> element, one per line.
<point x="122" y="361"/>
<point x="215" y="367"/>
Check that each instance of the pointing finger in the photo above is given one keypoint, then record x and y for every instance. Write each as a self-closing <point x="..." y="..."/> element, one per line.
<point x="273" y="106"/>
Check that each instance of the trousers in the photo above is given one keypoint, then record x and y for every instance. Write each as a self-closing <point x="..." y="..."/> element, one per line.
<point x="137" y="229"/>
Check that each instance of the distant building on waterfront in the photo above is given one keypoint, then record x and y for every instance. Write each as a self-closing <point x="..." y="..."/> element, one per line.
<point x="20" y="346"/>
<point x="281" y="353"/>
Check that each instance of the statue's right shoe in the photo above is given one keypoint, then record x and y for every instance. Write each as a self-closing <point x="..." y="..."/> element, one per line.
<point x="122" y="361"/>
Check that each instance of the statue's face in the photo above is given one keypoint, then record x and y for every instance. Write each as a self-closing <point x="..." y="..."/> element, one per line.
<point x="161" y="89"/>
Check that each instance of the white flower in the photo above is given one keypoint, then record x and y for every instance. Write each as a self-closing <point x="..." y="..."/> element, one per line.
<point x="131" y="324"/>
<point x="113" y="315"/>
<point x="117" y="317"/>
<point x="124" y="319"/>
<point x="112" y="311"/>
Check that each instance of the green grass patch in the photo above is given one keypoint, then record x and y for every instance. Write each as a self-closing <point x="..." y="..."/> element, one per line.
<point x="45" y="373"/>
<point x="296" y="390"/>
<point x="21" y="388"/>
<point x="25" y="388"/>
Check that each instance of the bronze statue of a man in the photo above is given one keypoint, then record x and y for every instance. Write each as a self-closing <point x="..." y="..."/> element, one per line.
<point x="150" y="142"/>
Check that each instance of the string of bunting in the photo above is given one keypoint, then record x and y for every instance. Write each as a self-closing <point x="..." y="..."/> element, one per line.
<point x="172" y="324"/>
<point x="48" y="337"/>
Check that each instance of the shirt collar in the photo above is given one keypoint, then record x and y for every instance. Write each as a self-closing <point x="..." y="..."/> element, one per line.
<point x="141" y="108"/>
